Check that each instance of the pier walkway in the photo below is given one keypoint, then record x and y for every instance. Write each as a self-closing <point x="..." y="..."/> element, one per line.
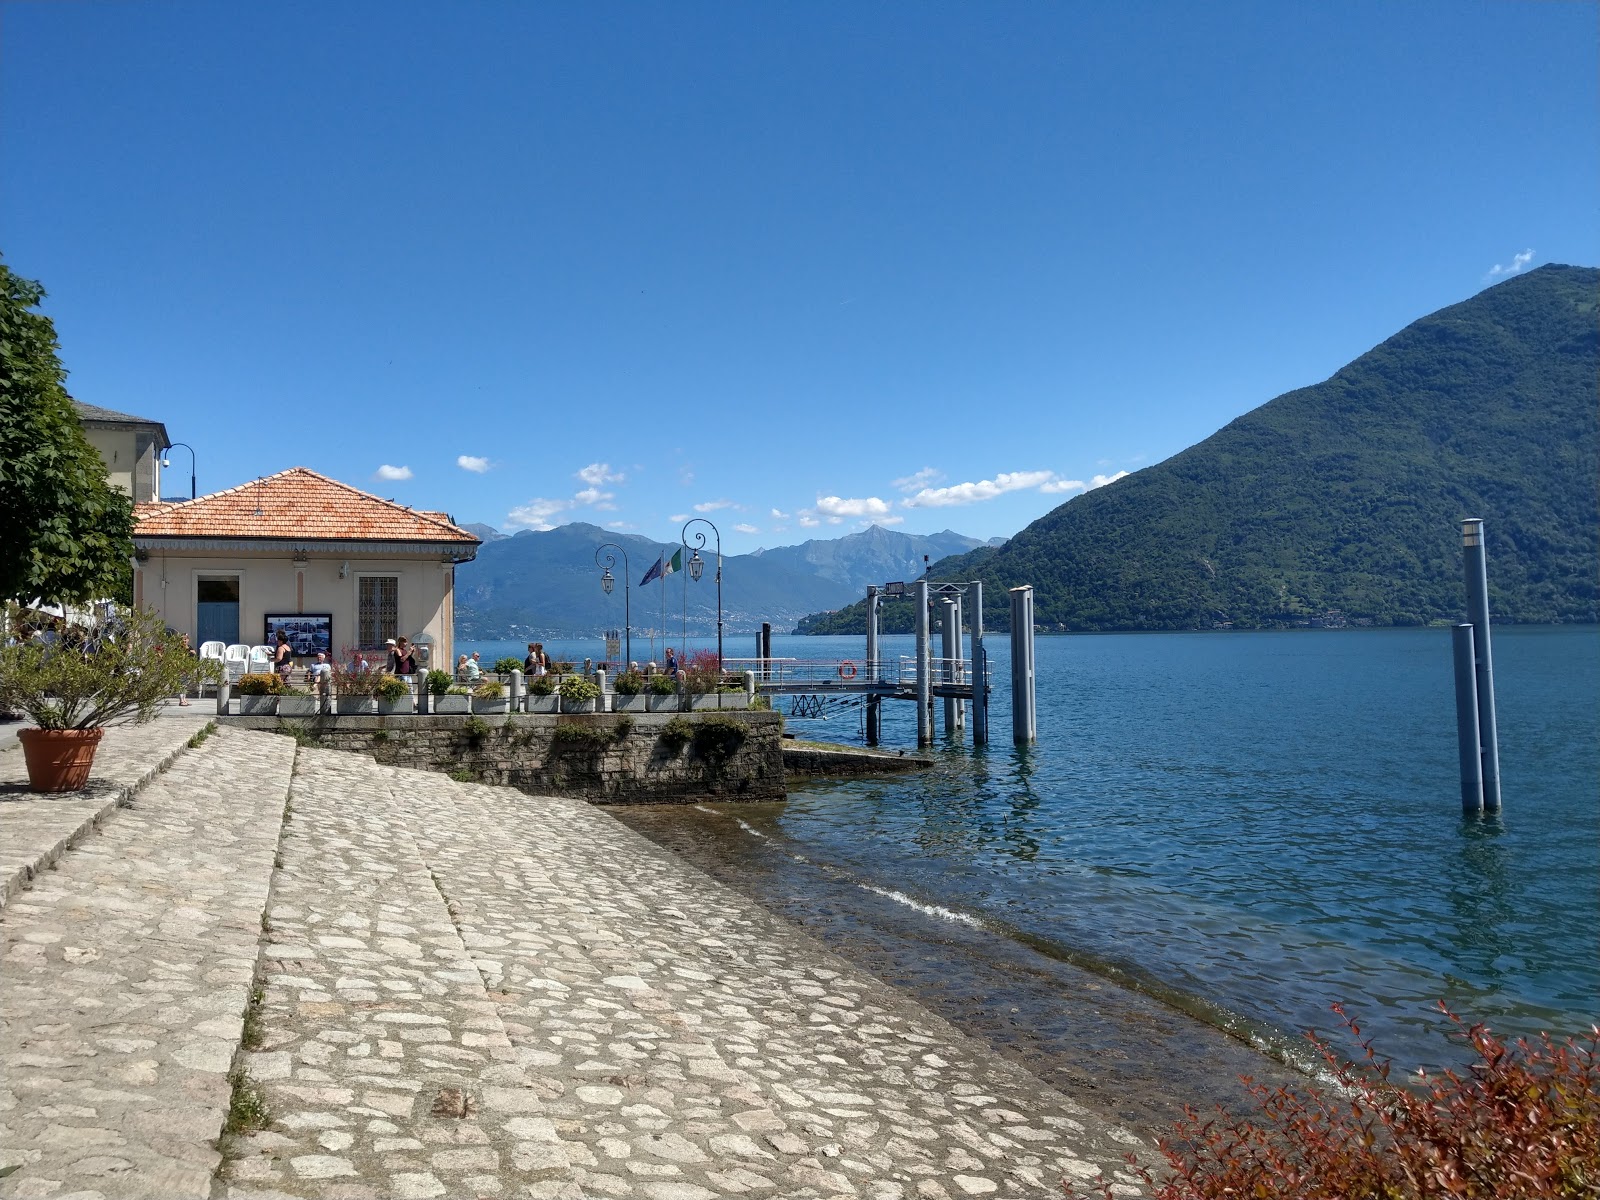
<point x="442" y="989"/>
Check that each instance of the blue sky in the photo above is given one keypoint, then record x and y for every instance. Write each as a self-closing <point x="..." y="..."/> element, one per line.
<point x="790" y="266"/>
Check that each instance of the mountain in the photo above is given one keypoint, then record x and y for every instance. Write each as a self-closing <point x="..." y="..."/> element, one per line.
<point x="875" y="555"/>
<point x="541" y="583"/>
<point x="1341" y="502"/>
<point x="485" y="533"/>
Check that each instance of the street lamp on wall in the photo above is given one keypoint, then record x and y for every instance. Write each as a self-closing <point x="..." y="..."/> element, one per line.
<point x="697" y="568"/>
<point x="607" y="582"/>
<point x="166" y="461"/>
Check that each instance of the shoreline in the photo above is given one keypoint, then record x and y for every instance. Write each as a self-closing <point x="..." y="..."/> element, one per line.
<point x="1116" y="1049"/>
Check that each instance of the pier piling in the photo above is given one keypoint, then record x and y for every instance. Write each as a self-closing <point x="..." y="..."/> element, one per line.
<point x="924" y="682"/>
<point x="1467" y="720"/>
<point x="980" y="670"/>
<point x="1476" y="569"/>
<point x="1024" y="719"/>
<point x="949" y="650"/>
<point x="874" y="703"/>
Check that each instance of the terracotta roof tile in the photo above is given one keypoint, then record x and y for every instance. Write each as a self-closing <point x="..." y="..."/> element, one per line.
<point x="297" y="503"/>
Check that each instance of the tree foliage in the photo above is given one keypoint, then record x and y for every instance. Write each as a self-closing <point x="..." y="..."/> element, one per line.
<point x="65" y="532"/>
<point x="1348" y="495"/>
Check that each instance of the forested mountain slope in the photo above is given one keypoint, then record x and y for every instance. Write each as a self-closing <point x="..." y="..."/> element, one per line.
<point x="1347" y="496"/>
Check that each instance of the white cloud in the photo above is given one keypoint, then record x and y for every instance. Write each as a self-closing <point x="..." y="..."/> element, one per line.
<point x="983" y="489"/>
<point x="921" y="479"/>
<point x="592" y="497"/>
<point x="1056" y="486"/>
<point x="882" y="521"/>
<point x="618" y="525"/>
<point x="743" y="528"/>
<point x="860" y="506"/>
<point x="1519" y="263"/>
<point x="471" y="462"/>
<point x="713" y="505"/>
<point x="536" y="514"/>
<point x="598" y="474"/>
<point x="808" y="522"/>
<point x="780" y="515"/>
<point x="392" y="473"/>
<point x="1101" y="480"/>
<point x="676" y="518"/>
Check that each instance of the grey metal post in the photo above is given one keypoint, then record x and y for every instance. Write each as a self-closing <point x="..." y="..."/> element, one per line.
<point x="980" y="670"/>
<point x="1476" y="569"/>
<point x="1024" y="721"/>
<point x="924" y="690"/>
<point x="961" y="705"/>
<point x="516" y="692"/>
<point x="766" y="649"/>
<point x="222" y="698"/>
<point x="421" y="682"/>
<point x="1467" y="720"/>
<point x="874" y="702"/>
<point x="947" y="650"/>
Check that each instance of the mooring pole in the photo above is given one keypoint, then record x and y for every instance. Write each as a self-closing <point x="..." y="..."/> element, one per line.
<point x="1476" y="567"/>
<point x="1467" y="720"/>
<point x="1024" y="722"/>
<point x="980" y="671"/>
<point x="924" y="688"/>
<point x="959" y="674"/>
<point x="948" y="650"/>
<point x="874" y="674"/>
<point x="766" y="649"/>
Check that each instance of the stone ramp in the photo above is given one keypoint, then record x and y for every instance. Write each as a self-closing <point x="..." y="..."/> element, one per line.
<point x="126" y="972"/>
<point x="382" y="1059"/>
<point x="36" y="829"/>
<point x="688" y="1044"/>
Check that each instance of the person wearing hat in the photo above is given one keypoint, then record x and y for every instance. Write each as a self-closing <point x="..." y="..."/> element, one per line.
<point x="392" y="663"/>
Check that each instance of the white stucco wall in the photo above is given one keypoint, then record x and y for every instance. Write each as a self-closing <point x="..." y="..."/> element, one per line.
<point x="132" y="462"/>
<point x="169" y="583"/>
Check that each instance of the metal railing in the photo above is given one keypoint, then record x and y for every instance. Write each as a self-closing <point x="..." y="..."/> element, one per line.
<point x="891" y="672"/>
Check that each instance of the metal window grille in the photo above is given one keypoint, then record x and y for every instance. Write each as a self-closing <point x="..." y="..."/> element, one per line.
<point x="378" y="615"/>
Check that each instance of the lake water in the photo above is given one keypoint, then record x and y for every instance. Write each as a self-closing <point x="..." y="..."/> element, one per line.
<point x="1250" y="826"/>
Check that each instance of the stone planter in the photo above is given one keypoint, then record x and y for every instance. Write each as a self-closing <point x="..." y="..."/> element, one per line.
<point x="258" y="706"/>
<point x="353" y="706"/>
<point x="499" y="705"/>
<point x="661" y="703"/>
<point x="577" y="706"/>
<point x="630" y="704"/>
<point x="452" y="705"/>
<point x="544" y="704"/>
<point x="59" y="760"/>
<point x="733" y="700"/>
<point x="704" y="700"/>
<point x="299" y="706"/>
<point x="393" y="708"/>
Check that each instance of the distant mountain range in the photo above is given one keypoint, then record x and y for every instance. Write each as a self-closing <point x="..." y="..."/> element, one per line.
<point x="1341" y="503"/>
<point x="547" y="583"/>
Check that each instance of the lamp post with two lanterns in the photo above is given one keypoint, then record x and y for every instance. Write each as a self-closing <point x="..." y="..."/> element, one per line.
<point x="697" y="568"/>
<point x="607" y="581"/>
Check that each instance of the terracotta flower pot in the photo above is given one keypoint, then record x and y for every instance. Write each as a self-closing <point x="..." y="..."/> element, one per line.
<point x="59" y="759"/>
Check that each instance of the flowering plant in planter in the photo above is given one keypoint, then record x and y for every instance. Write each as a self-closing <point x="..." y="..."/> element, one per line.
<point x="702" y="672"/>
<point x="489" y="689"/>
<point x="117" y="671"/>
<point x="389" y="687"/>
<point x="629" y="683"/>
<point x="263" y="683"/>
<point x="542" y="685"/>
<point x="440" y="683"/>
<point x="663" y="685"/>
<point x="578" y="689"/>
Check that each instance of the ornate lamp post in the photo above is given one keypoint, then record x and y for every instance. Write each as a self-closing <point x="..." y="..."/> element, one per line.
<point x="697" y="568"/>
<point x="167" y="462"/>
<point x="607" y="581"/>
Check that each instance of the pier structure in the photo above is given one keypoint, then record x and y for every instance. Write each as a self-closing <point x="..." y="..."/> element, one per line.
<point x="957" y="677"/>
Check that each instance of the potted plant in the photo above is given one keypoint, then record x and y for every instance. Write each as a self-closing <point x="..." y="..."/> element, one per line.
<point x="504" y="666"/>
<point x="71" y="688"/>
<point x="393" y="695"/>
<point x="733" y="696"/>
<point x="298" y="702"/>
<point x="578" y="695"/>
<point x="702" y="674"/>
<point x="454" y="701"/>
<point x="353" y="678"/>
<point x="542" y="697"/>
<point x="258" y="694"/>
<point x="629" y="693"/>
<point x="663" y="693"/>
<point x="490" y="697"/>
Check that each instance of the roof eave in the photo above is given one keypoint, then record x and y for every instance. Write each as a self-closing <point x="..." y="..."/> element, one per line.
<point x="445" y="550"/>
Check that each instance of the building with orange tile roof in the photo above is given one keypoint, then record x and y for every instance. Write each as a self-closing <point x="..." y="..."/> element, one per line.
<point x="306" y="553"/>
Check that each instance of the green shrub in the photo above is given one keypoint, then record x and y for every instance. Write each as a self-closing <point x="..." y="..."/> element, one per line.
<point x="676" y="734"/>
<point x="389" y="687"/>
<point x="464" y="775"/>
<point x="1522" y="1121"/>
<point x="476" y="729"/>
<point x="563" y="668"/>
<point x="264" y="684"/>
<point x="663" y="685"/>
<point x="586" y="737"/>
<point x="489" y="689"/>
<point x="542" y="685"/>
<point x="702" y="672"/>
<point x="439" y="683"/>
<point x="454" y="690"/>
<point x="578" y="689"/>
<point x="629" y="683"/>
<point x="717" y="737"/>
<point x="506" y="665"/>
<point x="622" y="728"/>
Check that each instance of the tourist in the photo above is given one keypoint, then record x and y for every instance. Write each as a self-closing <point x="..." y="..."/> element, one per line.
<point x="320" y="674"/>
<point x="670" y="667"/>
<point x="467" y="670"/>
<point x="405" y="659"/>
<point x="537" y="662"/>
<point x="283" y="657"/>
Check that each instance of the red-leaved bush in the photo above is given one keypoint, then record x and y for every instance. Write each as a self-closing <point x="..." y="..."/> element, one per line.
<point x="1522" y="1122"/>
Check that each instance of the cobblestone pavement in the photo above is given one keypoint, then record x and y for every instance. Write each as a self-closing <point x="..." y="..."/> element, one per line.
<point x="126" y="971"/>
<point x="36" y="828"/>
<point x="476" y="993"/>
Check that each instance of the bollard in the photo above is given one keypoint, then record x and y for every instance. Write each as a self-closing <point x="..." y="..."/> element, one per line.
<point x="602" y="702"/>
<point x="516" y="692"/>
<point x="222" y="698"/>
<point x="1467" y="720"/>
<point x="423" y="696"/>
<point x="750" y="685"/>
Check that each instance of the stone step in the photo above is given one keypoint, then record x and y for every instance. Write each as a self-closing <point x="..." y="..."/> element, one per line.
<point x="381" y="1058"/>
<point x="690" y="1044"/>
<point x="36" y="829"/>
<point x="126" y="972"/>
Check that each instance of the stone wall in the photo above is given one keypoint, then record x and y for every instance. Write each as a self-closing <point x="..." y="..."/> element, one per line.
<point x="610" y="759"/>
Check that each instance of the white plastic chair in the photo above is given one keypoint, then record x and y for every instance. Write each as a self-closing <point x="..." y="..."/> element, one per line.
<point x="260" y="660"/>
<point x="212" y="649"/>
<point x="237" y="660"/>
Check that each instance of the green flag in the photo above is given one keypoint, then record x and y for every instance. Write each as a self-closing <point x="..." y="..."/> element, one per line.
<point x="675" y="565"/>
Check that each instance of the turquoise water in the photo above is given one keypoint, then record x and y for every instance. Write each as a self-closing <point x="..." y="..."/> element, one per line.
<point x="1256" y="825"/>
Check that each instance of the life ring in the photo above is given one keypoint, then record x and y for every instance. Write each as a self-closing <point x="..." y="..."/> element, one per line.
<point x="847" y="669"/>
